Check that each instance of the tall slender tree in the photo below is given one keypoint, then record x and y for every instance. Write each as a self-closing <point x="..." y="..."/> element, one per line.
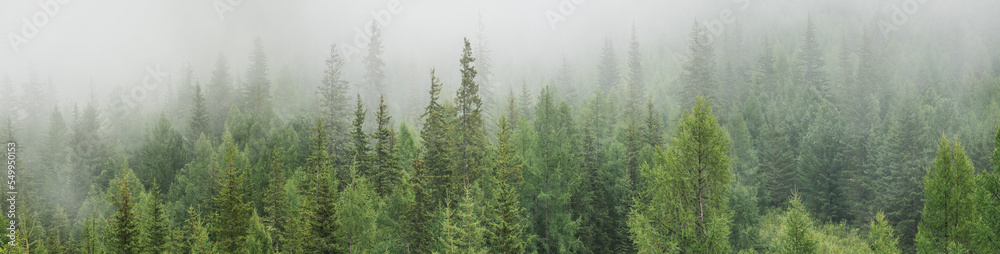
<point x="699" y="70"/>
<point x="945" y="225"/>
<point x="471" y="138"/>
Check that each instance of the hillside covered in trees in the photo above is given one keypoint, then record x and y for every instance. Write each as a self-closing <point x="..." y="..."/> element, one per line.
<point x="828" y="133"/>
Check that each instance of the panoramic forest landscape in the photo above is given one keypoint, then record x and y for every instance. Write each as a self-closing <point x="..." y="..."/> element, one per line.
<point x="555" y="126"/>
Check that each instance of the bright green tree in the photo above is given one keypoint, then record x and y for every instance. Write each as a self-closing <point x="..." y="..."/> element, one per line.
<point x="881" y="237"/>
<point x="321" y="196"/>
<point x="506" y="222"/>
<point x="233" y="214"/>
<point x="986" y="230"/>
<point x="947" y="217"/>
<point x="258" y="240"/>
<point x="124" y="229"/>
<point x="797" y="237"/>
<point x="684" y="205"/>
<point x="357" y="211"/>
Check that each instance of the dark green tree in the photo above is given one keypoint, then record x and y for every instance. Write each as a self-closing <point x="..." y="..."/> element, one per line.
<point x="438" y="147"/>
<point x="124" y="232"/>
<point x="233" y="214"/>
<point x="321" y="205"/>
<point x="387" y="173"/>
<point x="471" y="139"/>
<point x="361" y="152"/>
<point x="162" y="155"/>
<point x="811" y="60"/>
<point x="198" y="124"/>
<point x="822" y="167"/>
<point x="506" y="223"/>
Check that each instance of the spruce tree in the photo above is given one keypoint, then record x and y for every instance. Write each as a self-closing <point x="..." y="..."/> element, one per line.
<point x="947" y="219"/>
<point x="986" y="230"/>
<point x="196" y="240"/>
<point x="797" y="237"/>
<point x="699" y="70"/>
<point x="124" y="229"/>
<point x="321" y="204"/>
<point x="822" y="167"/>
<point x="220" y="97"/>
<point x="471" y="139"/>
<point x="506" y="224"/>
<point x="258" y="241"/>
<point x="256" y="94"/>
<point x="335" y="107"/>
<point x="155" y="223"/>
<point x="162" y="155"/>
<point x="357" y="210"/>
<point x="464" y="231"/>
<point x="387" y="173"/>
<point x="636" y="83"/>
<point x="361" y="152"/>
<point x="420" y="214"/>
<point x="374" y="76"/>
<point x="198" y="123"/>
<point x="438" y="147"/>
<point x="276" y="205"/>
<point x="684" y="204"/>
<point x="607" y="69"/>
<point x="811" y="60"/>
<point x="233" y="215"/>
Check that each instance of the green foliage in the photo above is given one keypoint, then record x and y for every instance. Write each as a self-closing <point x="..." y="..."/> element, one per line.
<point x="505" y="223"/>
<point x="321" y="197"/>
<point x="356" y="214"/>
<point x="258" y="240"/>
<point x="124" y="228"/>
<point x="684" y="205"/>
<point x="198" y="124"/>
<point x="947" y="218"/>
<point x="986" y="227"/>
<point x="438" y="148"/>
<point x="463" y="231"/>
<point x="608" y="78"/>
<point x="699" y="70"/>
<point x="811" y="60"/>
<point x="162" y="154"/>
<point x="387" y="173"/>
<point x="822" y="167"/>
<point x="335" y="107"/>
<point x="155" y="223"/>
<point x="881" y="237"/>
<point x="233" y="214"/>
<point x="471" y="141"/>
<point x="798" y="236"/>
<point x="361" y="153"/>
<point x="196" y="239"/>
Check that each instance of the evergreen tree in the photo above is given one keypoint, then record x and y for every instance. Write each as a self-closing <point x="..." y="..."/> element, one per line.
<point x="464" y="233"/>
<point x="360" y="154"/>
<point x="684" y="204"/>
<point x="421" y="212"/>
<point x="90" y="240"/>
<point x="811" y="60"/>
<point x="798" y="236"/>
<point x="233" y="215"/>
<point x="438" y="148"/>
<point x="765" y="75"/>
<point x="552" y="178"/>
<point x="256" y="94"/>
<point x="777" y="164"/>
<point x="60" y="234"/>
<point x="155" y="223"/>
<point x="220" y="96"/>
<point x="258" y="241"/>
<point x="484" y="72"/>
<point x="373" y="84"/>
<point x="335" y="107"/>
<point x="276" y="204"/>
<point x="196" y="240"/>
<point x="946" y="221"/>
<point x="881" y="238"/>
<point x="321" y="204"/>
<point x="387" y="172"/>
<point x="471" y="138"/>
<point x="198" y="124"/>
<point x="636" y="83"/>
<point x="357" y="210"/>
<point x="162" y="155"/>
<point x="506" y="224"/>
<point x="986" y="230"/>
<point x="124" y="229"/>
<point x="89" y="155"/>
<point x="699" y="70"/>
<point x="607" y="70"/>
<point x="822" y="167"/>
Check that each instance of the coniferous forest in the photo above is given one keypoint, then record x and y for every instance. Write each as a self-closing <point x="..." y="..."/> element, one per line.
<point x="742" y="127"/>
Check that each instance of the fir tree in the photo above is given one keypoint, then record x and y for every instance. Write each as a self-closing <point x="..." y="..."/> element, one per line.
<point x="276" y="204"/>
<point x="506" y="225"/>
<point x="387" y="171"/>
<point x="198" y="124"/>
<point x="356" y="215"/>
<point x="811" y="60"/>
<point x="986" y="229"/>
<point x="232" y="218"/>
<point x="124" y="230"/>
<point x="360" y="154"/>
<point x="438" y="148"/>
<point x="822" y="167"/>
<point x="335" y="107"/>
<point x="798" y="236"/>
<point x="258" y="241"/>
<point x="155" y="223"/>
<point x="321" y="207"/>
<point x="607" y="70"/>
<point x="636" y="83"/>
<point x="699" y="70"/>
<point x="219" y="95"/>
<point x="472" y="139"/>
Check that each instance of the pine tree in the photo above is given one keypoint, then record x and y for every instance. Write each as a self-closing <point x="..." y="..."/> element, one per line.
<point x="420" y="214"/>
<point x="276" y="204"/>
<point x="636" y="83"/>
<point x="822" y="167"/>
<point x="374" y="76"/>
<point x="162" y="155"/>
<point x="607" y="70"/>
<point x="471" y="139"/>
<point x="946" y="220"/>
<point x="438" y="148"/>
<point x="986" y="230"/>
<point x="198" y="124"/>
<point x="564" y="81"/>
<point x="684" y="204"/>
<point x="811" y="60"/>
<point x="361" y="153"/>
<point x="335" y="107"/>
<point x="356" y="215"/>
<point x="321" y="207"/>
<point x="387" y="173"/>
<point x="219" y="95"/>
<point x="798" y="236"/>
<point x="196" y="240"/>
<point x="90" y="240"/>
<point x="155" y="223"/>
<point x="232" y="218"/>
<point x="552" y="178"/>
<point x="881" y="238"/>
<point x="506" y="225"/>
<point x="699" y="71"/>
<point x="258" y="241"/>
<point x="124" y="230"/>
